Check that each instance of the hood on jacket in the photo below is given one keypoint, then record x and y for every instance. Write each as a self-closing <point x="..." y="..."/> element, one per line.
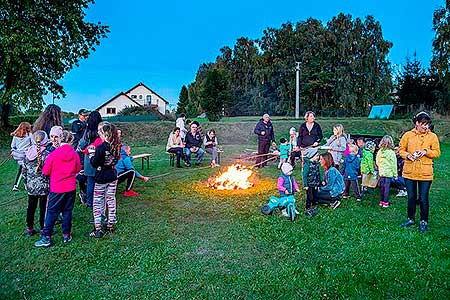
<point x="32" y="153"/>
<point x="65" y="152"/>
<point x="123" y="153"/>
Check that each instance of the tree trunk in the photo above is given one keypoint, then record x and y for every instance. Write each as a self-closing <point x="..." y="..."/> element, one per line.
<point x="6" y="109"/>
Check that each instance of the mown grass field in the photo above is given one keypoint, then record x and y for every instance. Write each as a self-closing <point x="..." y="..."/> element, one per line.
<point x="181" y="240"/>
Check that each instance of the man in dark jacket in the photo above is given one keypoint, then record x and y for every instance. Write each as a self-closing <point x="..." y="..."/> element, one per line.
<point x="264" y="130"/>
<point x="194" y="143"/>
<point x="78" y="127"/>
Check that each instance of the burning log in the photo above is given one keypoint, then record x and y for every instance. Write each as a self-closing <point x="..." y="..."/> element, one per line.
<point x="235" y="177"/>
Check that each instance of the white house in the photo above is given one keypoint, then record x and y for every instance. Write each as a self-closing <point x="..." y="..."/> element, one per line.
<point x="139" y="95"/>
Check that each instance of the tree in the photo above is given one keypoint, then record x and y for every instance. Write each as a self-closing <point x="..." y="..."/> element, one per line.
<point x="440" y="63"/>
<point x="183" y="100"/>
<point x="40" y="41"/>
<point x="214" y="94"/>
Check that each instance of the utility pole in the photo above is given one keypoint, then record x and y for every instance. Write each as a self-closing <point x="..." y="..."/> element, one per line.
<point x="297" y="90"/>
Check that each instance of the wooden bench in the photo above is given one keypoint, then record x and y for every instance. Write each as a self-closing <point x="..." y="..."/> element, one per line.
<point x="144" y="157"/>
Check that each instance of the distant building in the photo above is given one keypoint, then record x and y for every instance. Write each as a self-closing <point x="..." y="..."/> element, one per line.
<point x="139" y="95"/>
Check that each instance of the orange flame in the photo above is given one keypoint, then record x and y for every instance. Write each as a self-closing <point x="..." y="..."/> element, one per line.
<point x="235" y="177"/>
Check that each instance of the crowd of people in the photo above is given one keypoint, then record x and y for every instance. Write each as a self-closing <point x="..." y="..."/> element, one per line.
<point x="365" y="163"/>
<point x="52" y="160"/>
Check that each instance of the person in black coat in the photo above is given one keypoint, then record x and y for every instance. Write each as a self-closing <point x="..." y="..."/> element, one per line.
<point x="310" y="133"/>
<point x="266" y="136"/>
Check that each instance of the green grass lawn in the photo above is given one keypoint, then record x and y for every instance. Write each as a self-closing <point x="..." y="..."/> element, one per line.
<point x="181" y="240"/>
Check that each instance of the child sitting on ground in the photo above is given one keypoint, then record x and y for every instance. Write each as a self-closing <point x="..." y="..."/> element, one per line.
<point x="36" y="183"/>
<point x="311" y="179"/>
<point x="368" y="166"/>
<point x="350" y="169"/>
<point x="62" y="165"/>
<point x="287" y="184"/>
<point x="284" y="151"/>
<point x="125" y="171"/>
<point x="387" y="168"/>
<point x="21" y="141"/>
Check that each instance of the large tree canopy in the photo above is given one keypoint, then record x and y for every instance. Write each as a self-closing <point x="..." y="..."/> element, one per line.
<point x="40" y="41"/>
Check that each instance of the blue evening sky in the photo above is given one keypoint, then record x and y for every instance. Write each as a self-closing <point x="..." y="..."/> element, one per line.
<point x="162" y="43"/>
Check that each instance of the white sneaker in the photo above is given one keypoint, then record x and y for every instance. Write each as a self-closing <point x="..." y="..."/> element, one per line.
<point x="402" y="193"/>
<point x="15" y="188"/>
<point x="284" y="212"/>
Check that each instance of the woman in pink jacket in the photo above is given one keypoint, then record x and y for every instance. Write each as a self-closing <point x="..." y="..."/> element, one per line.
<point x="62" y="165"/>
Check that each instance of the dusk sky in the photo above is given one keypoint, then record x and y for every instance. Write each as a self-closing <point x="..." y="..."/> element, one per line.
<point x="162" y="43"/>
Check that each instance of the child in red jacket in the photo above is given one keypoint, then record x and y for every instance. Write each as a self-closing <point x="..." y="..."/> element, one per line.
<point x="62" y="165"/>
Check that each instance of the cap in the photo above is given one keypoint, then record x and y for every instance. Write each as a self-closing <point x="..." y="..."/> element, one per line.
<point x="286" y="168"/>
<point x="83" y="111"/>
<point x="310" y="152"/>
<point x="369" y="145"/>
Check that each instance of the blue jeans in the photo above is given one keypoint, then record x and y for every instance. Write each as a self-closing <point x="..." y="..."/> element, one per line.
<point x="90" y="190"/>
<point x="424" y="189"/>
<point x="59" y="202"/>
<point x="199" y="155"/>
<point x="399" y="183"/>
<point x="385" y="183"/>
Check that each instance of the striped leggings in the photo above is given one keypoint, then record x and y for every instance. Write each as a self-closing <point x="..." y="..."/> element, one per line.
<point x="104" y="195"/>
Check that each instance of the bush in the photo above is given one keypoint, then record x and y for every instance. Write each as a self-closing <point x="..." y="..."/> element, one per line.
<point x="144" y="110"/>
<point x="17" y="119"/>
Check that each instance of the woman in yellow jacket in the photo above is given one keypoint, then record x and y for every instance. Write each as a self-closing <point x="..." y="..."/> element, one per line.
<point x="418" y="147"/>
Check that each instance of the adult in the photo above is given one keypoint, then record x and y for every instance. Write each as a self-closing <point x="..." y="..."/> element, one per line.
<point x="337" y="143"/>
<point x="50" y="117"/>
<point x="294" y="149"/>
<point x="78" y="127"/>
<point x="333" y="185"/>
<point x="266" y="136"/>
<point x="180" y="124"/>
<point x="126" y="171"/>
<point x="175" y="145"/>
<point x="87" y="144"/>
<point x="310" y="133"/>
<point x="418" y="147"/>
<point x="212" y="146"/>
<point x="193" y="145"/>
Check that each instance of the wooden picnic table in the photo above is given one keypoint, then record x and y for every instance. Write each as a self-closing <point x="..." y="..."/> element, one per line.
<point x="144" y="157"/>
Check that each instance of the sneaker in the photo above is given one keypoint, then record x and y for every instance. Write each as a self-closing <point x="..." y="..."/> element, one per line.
<point x="358" y="199"/>
<point x="423" y="226"/>
<point x="43" y="242"/>
<point x="284" y="212"/>
<point x="130" y="193"/>
<point x="335" y="204"/>
<point x="96" y="233"/>
<point x="402" y="193"/>
<point x="187" y="164"/>
<point x="311" y="212"/>
<point x="386" y="204"/>
<point x="109" y="229"/>
<point x="381" y="203"/>
<point x="345" y="196"/>
<point x="67" y="238"/>
<point x="179" y="166"/>
<point x="31" y="232"/>
<point x="15" y="188"/>
<point x="408" y="223"/>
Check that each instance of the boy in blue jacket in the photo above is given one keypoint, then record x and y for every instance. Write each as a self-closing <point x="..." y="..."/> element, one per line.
<point x="125" y="171"/>
<point x="350" y="170"/>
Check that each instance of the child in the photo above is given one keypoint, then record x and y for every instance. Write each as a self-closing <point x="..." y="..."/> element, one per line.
<point x="125" y="171"/>
<point x="350" y="169"/>
<point x="21" y="141"/>
<point x="37" y="184"/>
<point x="387" y="168"/>
<point x="284" y="151"/>
<point x="400" y="181"/>
<point x="367" y="164"/>
<point x="350" y="142"/>
<point x="311" y="179"/>
<point x="337" y="142"/>
<point x="286" y="184"/>
<point x="104" y="160"/>
<point x="62" y="165"/>
<point x="360" y="143"/>
<point x="211" y="147"/>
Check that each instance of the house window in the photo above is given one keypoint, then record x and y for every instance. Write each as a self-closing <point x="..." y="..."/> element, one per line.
<point x="140" y="97"/>
<point x="111" y="110"/>
<point x="133" y="96"/>
<point x="149" y="99"/>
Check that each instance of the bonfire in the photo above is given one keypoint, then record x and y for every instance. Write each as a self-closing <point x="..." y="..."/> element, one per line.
<point x="235" y="177"/>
